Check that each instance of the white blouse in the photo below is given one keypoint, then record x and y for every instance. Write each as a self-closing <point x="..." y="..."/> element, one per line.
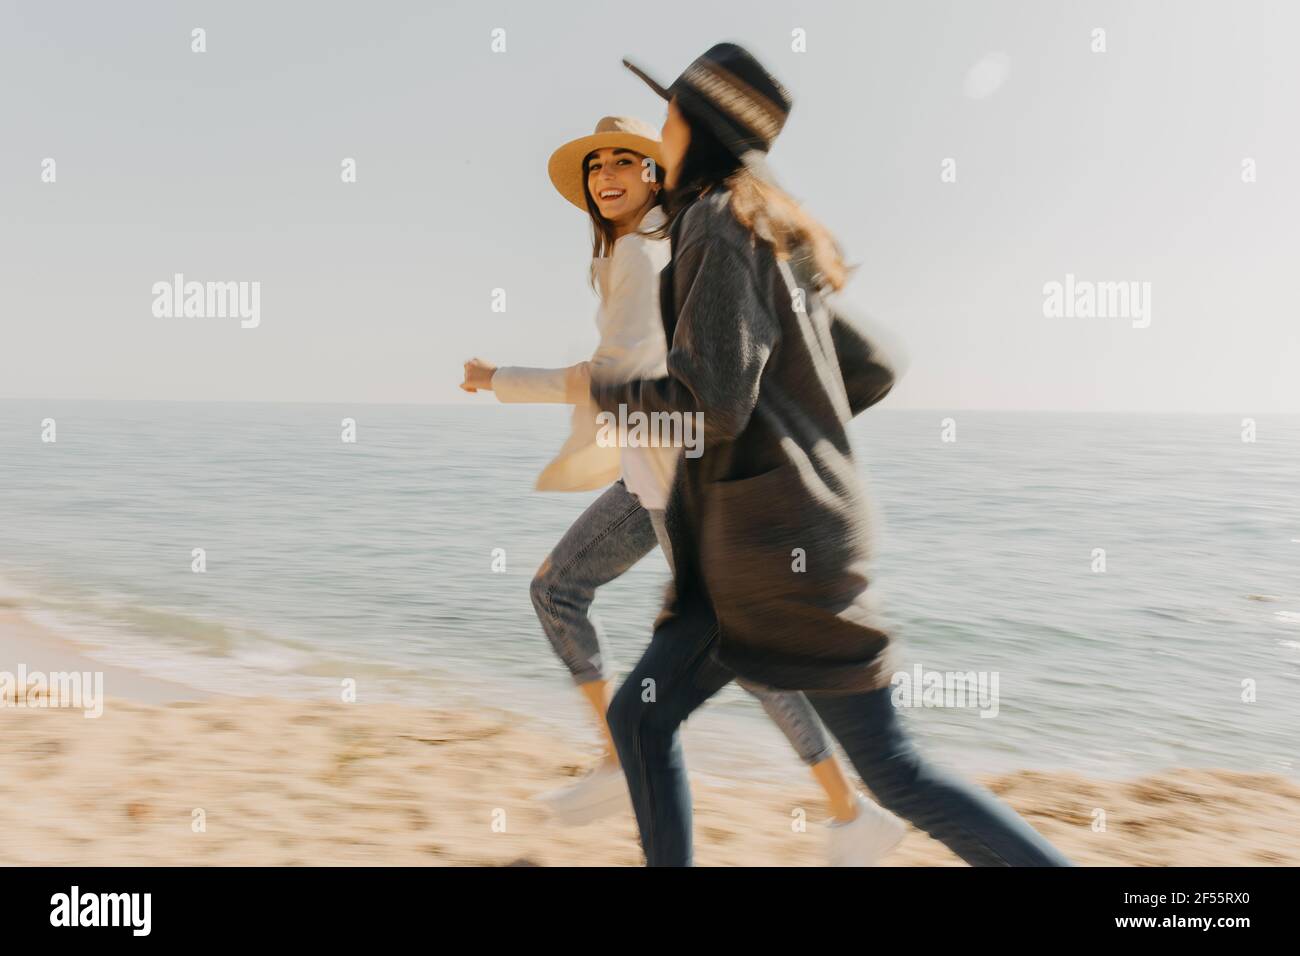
<point x="632" y="346"/>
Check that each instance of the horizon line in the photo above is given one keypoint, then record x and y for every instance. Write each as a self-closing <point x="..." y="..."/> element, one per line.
<point x="472" y="404"/>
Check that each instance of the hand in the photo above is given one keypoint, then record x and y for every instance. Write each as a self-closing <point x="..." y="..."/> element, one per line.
<point x="478" y="375"/>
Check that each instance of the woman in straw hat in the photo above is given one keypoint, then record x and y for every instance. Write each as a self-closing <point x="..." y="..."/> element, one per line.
<point x="613" y="176"/>
<point x="768" y="527"/>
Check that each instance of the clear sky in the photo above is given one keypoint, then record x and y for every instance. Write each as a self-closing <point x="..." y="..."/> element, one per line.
<point x="225" y="166"/>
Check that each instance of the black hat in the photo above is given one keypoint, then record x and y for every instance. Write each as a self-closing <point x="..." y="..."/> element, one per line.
<point x="728" y="91"/>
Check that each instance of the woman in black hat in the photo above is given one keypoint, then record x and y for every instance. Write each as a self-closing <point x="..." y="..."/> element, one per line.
<point x="769" y="526"/>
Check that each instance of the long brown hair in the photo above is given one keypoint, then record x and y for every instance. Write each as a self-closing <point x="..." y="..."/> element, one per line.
<point x="771" y="215"/>
<point x="602" y="229"/>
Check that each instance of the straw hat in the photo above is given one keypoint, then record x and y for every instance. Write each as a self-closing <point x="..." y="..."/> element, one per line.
<point x="619" y="132"/>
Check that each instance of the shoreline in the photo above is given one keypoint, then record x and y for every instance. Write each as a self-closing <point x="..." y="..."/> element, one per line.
<point x="26" y="644"/>
<point x="172" y="776"/>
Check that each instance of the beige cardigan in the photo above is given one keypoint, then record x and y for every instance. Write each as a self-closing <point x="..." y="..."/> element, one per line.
<point x="632" y="346"/>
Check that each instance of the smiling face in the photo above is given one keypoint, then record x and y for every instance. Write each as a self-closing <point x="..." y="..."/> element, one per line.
<point x="616" y="186"/>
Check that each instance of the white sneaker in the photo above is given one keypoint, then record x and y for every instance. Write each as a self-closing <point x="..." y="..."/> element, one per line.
<point x="601" y="793"/>
<point x="866" y="838"/>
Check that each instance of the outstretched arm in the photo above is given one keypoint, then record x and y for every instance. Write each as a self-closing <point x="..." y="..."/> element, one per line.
<point x="565" y="386"/>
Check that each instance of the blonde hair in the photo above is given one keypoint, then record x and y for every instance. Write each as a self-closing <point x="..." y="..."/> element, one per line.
<point x="775" y="217"/>
<point x="768" y="212"/>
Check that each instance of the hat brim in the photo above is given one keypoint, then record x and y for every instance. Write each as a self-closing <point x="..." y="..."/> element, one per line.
<point x="661" y="90"/>
<point x="565" y="166"/>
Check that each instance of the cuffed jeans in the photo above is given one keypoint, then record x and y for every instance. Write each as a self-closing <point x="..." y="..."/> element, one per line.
<point x="612" y="535"/>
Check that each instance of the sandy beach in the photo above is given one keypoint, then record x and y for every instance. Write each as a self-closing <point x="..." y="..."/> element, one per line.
<point x="159" y="779"/>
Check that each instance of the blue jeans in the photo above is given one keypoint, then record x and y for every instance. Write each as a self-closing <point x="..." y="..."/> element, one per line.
<point x="969" y="820"/>
<point x="677" y="674"/>
<point x="612" y="535"/>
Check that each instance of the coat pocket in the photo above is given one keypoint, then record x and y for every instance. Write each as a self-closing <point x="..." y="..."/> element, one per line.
<point x="750" y="533"/>
<point x="781" y="535"/>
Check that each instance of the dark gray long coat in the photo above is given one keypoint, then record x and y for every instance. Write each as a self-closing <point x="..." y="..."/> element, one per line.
<point x="776" y="478"/>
